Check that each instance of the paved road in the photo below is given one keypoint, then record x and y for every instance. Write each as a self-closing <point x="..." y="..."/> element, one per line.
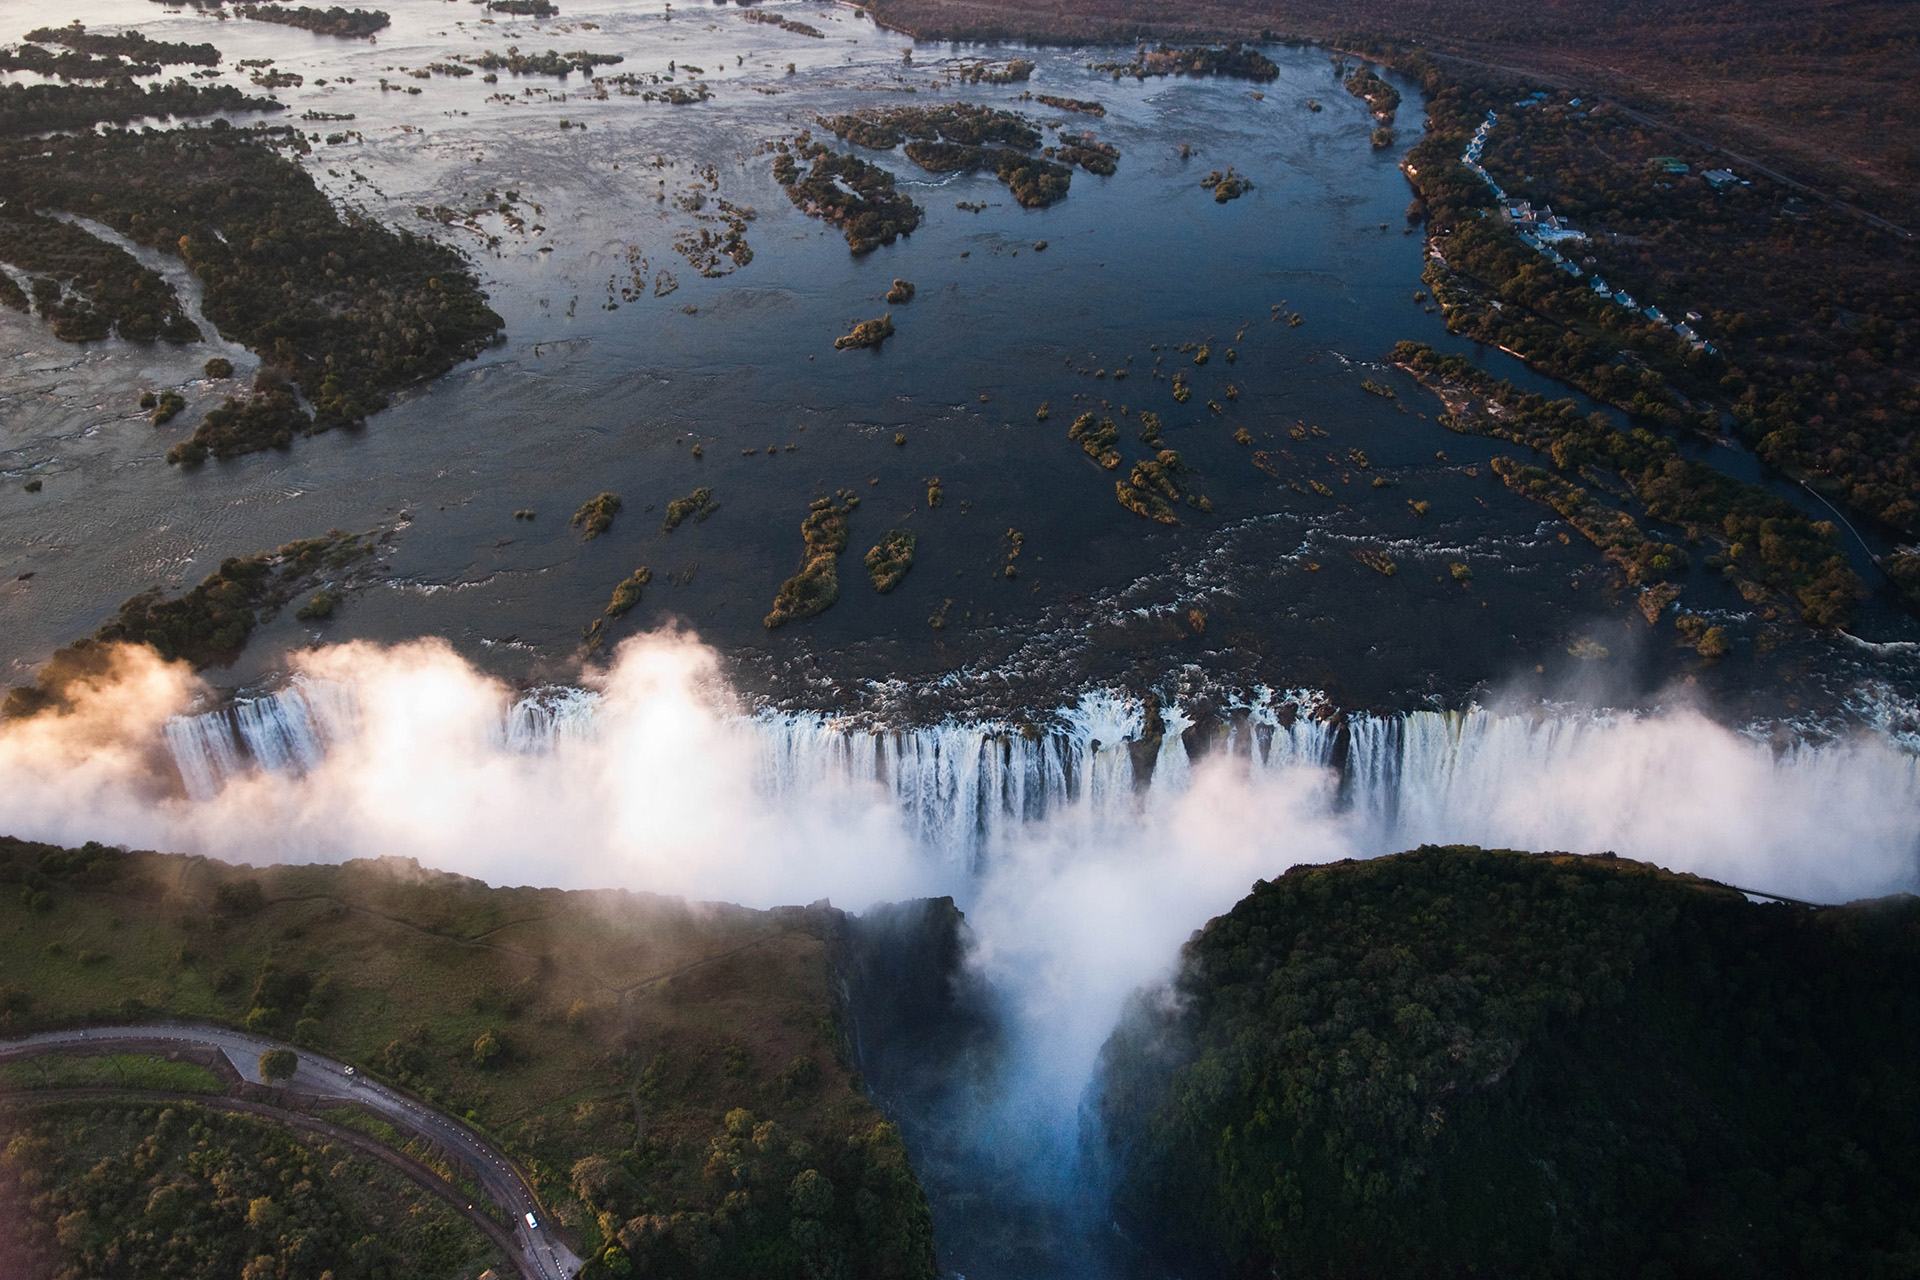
<point x="546" y="1257"/>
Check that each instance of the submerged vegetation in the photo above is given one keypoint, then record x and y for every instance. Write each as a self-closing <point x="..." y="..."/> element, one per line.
<point x="1461" y="1061"/>
<point x="891" y="557"/>
<point x="817" y="585"/>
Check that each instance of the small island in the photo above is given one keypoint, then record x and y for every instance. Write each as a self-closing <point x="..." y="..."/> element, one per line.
<point x="968" y="138"/>
<point x="1227" y="186"/>
<point x="1080" y="105"/>
<point x="1096" y="436"/>
<point x="890" y="558"/>
<point x="817" y="585"/>
<point x="334" y="21"/>
<point x="1235" y="60"/>
<point x="868" y="333"/>
<point x="846" y="191"/>
<point x="595" y="515"/>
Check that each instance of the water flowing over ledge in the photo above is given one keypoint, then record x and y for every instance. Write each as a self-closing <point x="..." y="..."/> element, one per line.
<point x="1541" y="778"/>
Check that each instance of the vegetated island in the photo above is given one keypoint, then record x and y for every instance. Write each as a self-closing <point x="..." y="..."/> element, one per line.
<point x="675" y="1080"/>
<point x="208" y="624"/>
<point x="1240" y="61"/>
<point x="850" y="193"/>
<point x="333" y="21"/>
<point x="1226" y="186"/>
<point x="1382" y="99"/>
<point x="968" y="138"/>
<point x="343" y="308"/>
<point x="85" y="287"/>
<point x="1096" y="436"/>
<point x="698" y="505"/>
<point x="1071" y="104"/>
<point x="890" y="558"/>
<point x="867" y="333"/>
<point x="817" y="585"/>
<point x="1677" y="299"/>
<point x="595" y="515"/>
<point x="1767" y="548"/>
<point x="785" y="24"/>
<point x="92" y="55"/>
<point x="524" y="8"/>
<point x="1460" y="1061"/>
<point x="1015" y="71"/>
<point x="550" y="63"/>
<point x="1153" y="488"/>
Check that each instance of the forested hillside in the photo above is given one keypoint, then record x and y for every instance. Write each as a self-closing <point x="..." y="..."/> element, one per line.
<point x="1459" y="1061"/>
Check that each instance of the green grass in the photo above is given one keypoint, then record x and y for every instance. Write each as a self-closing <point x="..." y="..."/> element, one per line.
<point x="599" y="997"/>
<point x="107" y="1071"/>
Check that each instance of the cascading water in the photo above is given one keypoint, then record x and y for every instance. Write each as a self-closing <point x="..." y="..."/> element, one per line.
<point x="964" y="791"/>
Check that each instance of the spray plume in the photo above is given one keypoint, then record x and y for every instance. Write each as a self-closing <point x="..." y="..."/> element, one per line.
<point x="666" y="788"/>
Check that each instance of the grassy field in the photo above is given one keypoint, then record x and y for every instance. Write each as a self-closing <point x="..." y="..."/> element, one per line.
<point x="616" y="1044"/>
<point x="107" y="1071"/>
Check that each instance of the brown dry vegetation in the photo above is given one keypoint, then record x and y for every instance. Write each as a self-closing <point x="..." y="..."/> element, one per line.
<point x="1824" y="88"/>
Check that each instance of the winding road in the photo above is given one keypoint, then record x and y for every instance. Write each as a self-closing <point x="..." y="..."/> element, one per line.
<point x="539" y="1255"/>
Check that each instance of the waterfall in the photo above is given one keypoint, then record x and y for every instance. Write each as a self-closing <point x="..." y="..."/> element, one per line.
<point x="1541" y="778"/>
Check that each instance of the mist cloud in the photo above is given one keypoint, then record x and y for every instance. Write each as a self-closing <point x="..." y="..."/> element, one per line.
<point x="1072" y="912"/>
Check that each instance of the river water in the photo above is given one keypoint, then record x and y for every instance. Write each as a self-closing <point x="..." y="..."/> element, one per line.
<point x="594" y="389"/>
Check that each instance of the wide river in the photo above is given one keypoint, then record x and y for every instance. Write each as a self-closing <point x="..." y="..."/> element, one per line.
<point x="602" y="385"/>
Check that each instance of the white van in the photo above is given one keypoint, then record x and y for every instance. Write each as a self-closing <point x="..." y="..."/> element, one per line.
<point x="531" y="1224"/>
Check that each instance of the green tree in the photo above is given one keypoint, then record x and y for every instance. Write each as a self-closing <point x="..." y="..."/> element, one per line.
<point x="278" y="1064"/>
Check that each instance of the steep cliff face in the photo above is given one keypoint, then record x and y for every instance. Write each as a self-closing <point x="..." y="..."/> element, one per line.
<point x="1460" y="1061"/>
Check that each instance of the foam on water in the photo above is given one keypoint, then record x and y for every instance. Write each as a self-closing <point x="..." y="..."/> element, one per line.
<point x="1672" y="788"/>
